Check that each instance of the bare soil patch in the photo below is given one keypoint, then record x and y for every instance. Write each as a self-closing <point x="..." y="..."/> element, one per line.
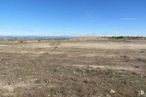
<point x="97" y="68"/>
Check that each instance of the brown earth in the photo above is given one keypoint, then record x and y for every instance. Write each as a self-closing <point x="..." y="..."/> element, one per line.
<point x="72" y="68"/>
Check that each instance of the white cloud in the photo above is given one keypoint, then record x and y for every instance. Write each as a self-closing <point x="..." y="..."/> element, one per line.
<point x="128" y="19"/>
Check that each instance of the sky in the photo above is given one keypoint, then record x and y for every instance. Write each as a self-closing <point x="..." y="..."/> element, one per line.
<point x="73" y="17"/>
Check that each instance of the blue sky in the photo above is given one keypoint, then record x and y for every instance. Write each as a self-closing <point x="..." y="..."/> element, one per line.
<point x="73" y="17"/>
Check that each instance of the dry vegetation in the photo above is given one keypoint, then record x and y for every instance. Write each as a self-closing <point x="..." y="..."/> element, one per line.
<point x="81" y="67"/>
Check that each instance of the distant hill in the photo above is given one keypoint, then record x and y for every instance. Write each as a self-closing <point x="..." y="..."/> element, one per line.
<point x="37" y="37"/>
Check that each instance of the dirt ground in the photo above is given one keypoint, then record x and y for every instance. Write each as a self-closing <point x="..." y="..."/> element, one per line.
<point x="73" y="68"/>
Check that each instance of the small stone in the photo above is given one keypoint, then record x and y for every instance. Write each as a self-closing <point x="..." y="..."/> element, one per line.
<point x="140" y="93"/>
<point x="37" y="81"/>
<point x="112" y="91"/>
<point x="74" y="72"/>
<point x="141" y="76"/>
<point x="108" y="95"/>
<point x="21" y="79"/>
<point x="114" y="73"/>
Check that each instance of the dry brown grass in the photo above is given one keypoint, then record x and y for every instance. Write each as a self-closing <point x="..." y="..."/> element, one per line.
<point x="83" y="69"/>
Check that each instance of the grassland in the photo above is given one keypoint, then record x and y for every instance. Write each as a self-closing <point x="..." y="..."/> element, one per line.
<point x="77" y="67"/>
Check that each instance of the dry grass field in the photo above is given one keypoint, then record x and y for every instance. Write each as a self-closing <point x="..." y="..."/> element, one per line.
<point x="81" y="67"/>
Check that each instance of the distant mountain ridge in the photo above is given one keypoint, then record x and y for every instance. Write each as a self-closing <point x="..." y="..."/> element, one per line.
<point x="37" y="36"/>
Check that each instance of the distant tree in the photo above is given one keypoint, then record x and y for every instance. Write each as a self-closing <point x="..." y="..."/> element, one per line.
<point x="39" y="40"/>
<point x="55" y="44"/>
<point x="21" y="41"/>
